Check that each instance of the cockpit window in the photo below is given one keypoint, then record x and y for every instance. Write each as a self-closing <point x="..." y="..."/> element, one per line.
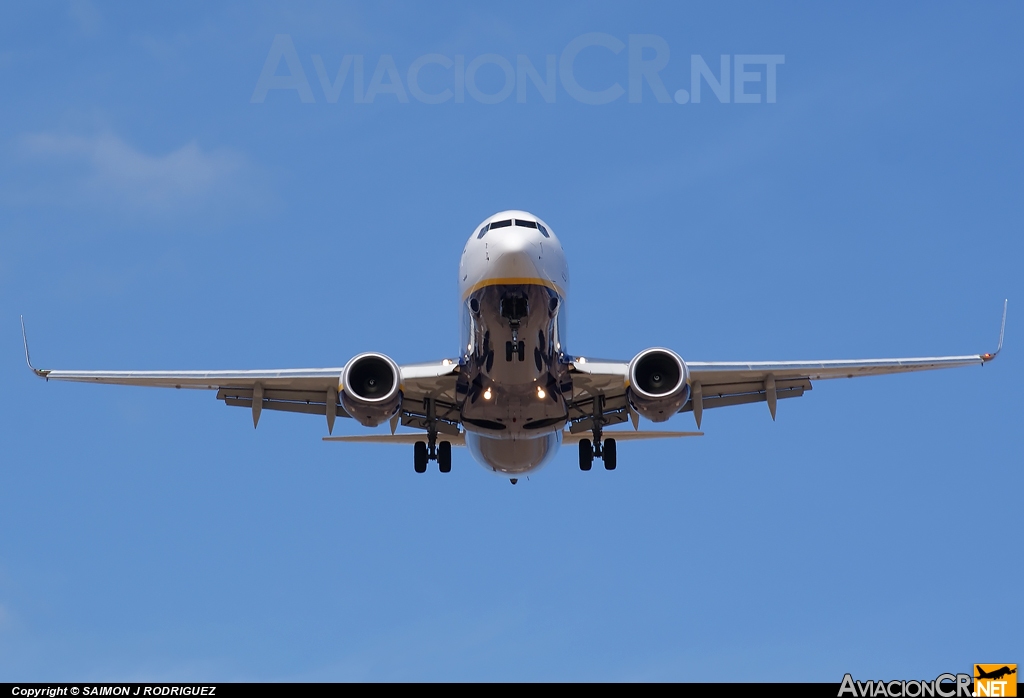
<point x="492" y="226"/>
<point x="532" y="224"/>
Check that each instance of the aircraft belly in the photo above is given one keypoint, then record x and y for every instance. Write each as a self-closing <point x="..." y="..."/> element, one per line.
<point x="513" y="368"/>
<point x="514" y="456"/>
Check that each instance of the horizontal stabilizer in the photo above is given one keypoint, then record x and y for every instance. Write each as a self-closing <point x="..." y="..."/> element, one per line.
<point x="460" y="440"/>
<point x="403" y="438"/>
<point x="631" y="435"/>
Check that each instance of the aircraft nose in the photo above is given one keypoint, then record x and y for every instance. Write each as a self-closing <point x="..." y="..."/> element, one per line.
<point x="513" y="241"/>
<point x="515" y="255"/>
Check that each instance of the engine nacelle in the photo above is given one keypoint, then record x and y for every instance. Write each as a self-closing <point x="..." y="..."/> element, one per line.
<point x="370" y="389"/>
<point x="659" y="383"/>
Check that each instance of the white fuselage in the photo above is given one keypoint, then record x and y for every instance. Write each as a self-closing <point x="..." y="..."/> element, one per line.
<point x="513" y="284"/>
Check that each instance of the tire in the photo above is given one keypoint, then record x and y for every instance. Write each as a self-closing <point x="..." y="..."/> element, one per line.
<point x="419" y="457"/>
<point x="444" y="456"/>
<point x="586" y="454"/>
<point x="521" y="350"/>
<point x="608" y="454"/>
<point x="508" y="351"/>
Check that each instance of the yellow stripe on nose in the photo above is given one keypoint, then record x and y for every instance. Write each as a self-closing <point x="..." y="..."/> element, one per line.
<point x="514" y="281"/>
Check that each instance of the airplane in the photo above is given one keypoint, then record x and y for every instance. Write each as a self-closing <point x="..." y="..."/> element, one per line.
<point x="514" y="394"/>
<point x="996" y="674"/>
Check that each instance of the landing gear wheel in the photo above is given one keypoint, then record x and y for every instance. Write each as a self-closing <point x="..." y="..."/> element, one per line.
<point x="586" y="454"/>
<point x="521" y="350"/>
<point x="608" y="454"/>
<point x="444" y="456"/>
<point x="419" y="457"/>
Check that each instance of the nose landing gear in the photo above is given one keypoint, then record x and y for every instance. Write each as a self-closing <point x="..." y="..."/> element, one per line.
<point x="518" y="349"/>
<point x="514" y="307"/>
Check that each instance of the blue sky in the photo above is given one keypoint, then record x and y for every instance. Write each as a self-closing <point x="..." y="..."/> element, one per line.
<point x="153" y="216"/>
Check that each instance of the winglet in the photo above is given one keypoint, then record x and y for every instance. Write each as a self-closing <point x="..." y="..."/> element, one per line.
<point x="24" y="339"/>
<point x="1002" y="330"/>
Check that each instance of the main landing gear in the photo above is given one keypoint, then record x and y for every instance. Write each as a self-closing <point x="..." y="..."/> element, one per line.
<point x="441" y="452"/>
<point x="600" y="447"/>
<point x="605" y="451"/>
<point x="425" y="451"/>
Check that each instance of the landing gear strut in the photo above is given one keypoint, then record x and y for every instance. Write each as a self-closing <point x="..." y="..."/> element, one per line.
<point x="514" y="308"/>
<point x="423" y="452"/>
<point x="599" y="447"/>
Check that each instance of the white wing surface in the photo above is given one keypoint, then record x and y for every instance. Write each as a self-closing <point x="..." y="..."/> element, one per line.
<point x="724" y="383"/>
<point x="307" y="390"/>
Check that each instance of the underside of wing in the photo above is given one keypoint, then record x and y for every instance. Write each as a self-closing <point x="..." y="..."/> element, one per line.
<point x="308" y="391"/>
<point x="723" y="383"/>
<point x="280" y="379"/>
<point x="598" y="394"/>
<point x="727" y="383"/>
<point x="721" y="372"/>
<point x="428" y="389"/>
<point x="601" y="387"/>
<point x="429" y="396"/>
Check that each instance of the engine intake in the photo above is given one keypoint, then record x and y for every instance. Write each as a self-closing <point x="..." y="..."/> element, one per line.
<point x="659" y="383"/>
<point x="370" y="389"/>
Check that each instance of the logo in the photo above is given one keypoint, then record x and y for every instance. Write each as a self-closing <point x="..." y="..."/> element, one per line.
<point x="490" y="78"/>
<point x="995" y="680"/>
<point x="943" y="686"/>
<point x="989" y="680"/>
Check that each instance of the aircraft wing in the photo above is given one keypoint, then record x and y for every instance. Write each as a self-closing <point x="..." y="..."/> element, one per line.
<point x="724" y="383"/>
<point x="307" y="390"/>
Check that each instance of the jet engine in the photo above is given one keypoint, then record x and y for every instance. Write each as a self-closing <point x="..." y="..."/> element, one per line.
<point x="659" y="383"/>
<point x="370" y="389"/>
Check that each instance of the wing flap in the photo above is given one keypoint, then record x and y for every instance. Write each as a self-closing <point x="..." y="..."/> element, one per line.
<point x="304" y="401"/>
<point x="724" y="398"/>
<point x="301" y="407"/>
<point x="614" y="408"/>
